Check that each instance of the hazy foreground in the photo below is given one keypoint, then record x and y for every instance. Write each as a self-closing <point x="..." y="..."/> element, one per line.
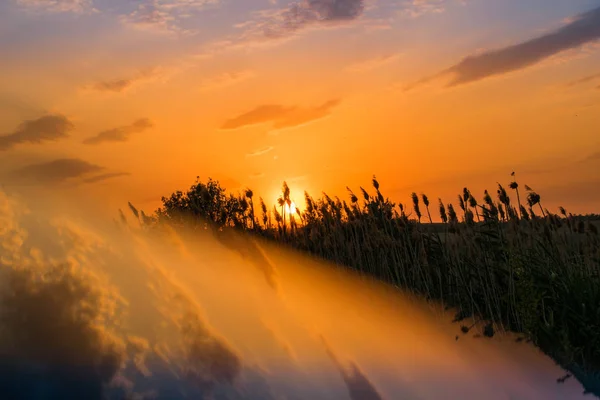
<point x="92" y="309"/>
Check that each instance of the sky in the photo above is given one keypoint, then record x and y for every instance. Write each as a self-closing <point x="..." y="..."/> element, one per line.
<point x="130" y="100"/>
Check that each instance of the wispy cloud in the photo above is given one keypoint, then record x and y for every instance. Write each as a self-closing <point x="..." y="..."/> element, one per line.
<point x="586" y="79"/>
<point x="166" y="15"/>
<point x="278" y="25"/>
<point x="257" y="175"/>
<point x="226" y="79"/>
<point x="296" y="16"/>
<point x="121" y="85"/>
<point x="418" y="8"/>
<point x="260" y="152"/>
<point x="104" y="177"/>
<point x="120" y="134"/>
<point x="58" y="6"/>
<point x="48" y="128"/>
<point x="581" y="30"/>
<point x="371" y="64"/>
<point x="299" y="178"/>
<point x="279" y="116"/>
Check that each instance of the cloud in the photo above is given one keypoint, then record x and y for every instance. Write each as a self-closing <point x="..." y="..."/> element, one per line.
<point x="59" y="6"/>
<point x="586" y="79"/>
<point x="303" y="116"/>
<point x="60" y="171"/>
<point x="116" y="85"/>
<point x="257" y="175"/>
<point x="260" y="152"/>
<point x="418" y="8"/>
<point x="259" y="115"/>
<point x="582" y="30"/>
<point x="122" y="85"/>
<point x="226" y="79"/>
<point x="372" y="63"/>
<point x="210" y="360"/>
<point x="166" y="15"/>
<point x="48" y="128"/>
<point x="279" y="116"/>
<point x="53" y="338"/>
<point x="283" y="23"/>
<point x="593" y="157"/>
<point x="106" y="176"/>
<point x="57" y="170"/>
<point x="120" y="134"/>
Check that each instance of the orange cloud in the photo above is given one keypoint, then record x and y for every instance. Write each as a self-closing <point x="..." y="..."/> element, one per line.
<point x="279" y="116"/>
<point x="260" y="152"/>
<point x="120" y="134"/>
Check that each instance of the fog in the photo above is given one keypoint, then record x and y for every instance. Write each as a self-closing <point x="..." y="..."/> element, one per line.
<point x="92" y="308"/>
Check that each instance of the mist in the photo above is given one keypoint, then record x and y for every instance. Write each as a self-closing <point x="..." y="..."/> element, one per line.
<point x="97" y="308"/>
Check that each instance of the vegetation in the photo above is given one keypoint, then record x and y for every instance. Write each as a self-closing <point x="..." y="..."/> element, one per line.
<point x="515" y="265"/>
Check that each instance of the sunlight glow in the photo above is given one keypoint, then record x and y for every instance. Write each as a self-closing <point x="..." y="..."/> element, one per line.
<point x="290" y="209"/>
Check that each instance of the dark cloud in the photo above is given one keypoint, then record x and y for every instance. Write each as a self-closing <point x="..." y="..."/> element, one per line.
<point x="210" y="361"/>
<point x="585" y="28"/>
<point x="332" y="10"/>
<point x="120" y="134"/>
<point x="280" y="116"/>
<point x="51" y="344"/>
<point x="299" y="15"/>
<point x="56" y="171"/>
<point x="44" y="129"/>
<point x="63" y="170"/>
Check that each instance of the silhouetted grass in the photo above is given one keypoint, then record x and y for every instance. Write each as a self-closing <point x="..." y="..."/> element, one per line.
<point x="517" y="266"/>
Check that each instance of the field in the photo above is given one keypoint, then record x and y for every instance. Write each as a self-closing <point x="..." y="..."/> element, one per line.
<point x="504" y="262"/>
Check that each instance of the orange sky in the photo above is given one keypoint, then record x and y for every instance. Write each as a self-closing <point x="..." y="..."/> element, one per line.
<point x="430" y="96"/>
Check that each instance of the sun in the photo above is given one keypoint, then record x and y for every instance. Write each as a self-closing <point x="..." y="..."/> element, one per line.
<point x="291" y="208"/>
<point x="296" y="205"/>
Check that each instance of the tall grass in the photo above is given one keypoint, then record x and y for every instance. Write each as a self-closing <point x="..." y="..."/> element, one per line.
<point x="516" y="266"/>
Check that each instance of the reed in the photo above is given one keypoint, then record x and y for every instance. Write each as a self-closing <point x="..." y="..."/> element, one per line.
<point x="535" y="273"/>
